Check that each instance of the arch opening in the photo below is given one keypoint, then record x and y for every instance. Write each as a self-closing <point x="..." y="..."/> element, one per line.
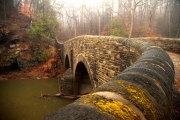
<point x="82" y="83"/>
<point x="72" y="59"/>
<point x="67" y="66"/>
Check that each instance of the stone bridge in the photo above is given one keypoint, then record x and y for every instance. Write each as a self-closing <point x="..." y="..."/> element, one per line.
<point x="94" y="61"/>
<point x="127" y="78"/>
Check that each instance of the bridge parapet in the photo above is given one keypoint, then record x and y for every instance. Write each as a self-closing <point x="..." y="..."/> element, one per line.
<point x="106" y="56"/>
<point x="143" y="90"/>
<point x="168" y="44"/>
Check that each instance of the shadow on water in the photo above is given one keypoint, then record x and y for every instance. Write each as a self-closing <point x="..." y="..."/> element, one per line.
<point x="19" y="99"/>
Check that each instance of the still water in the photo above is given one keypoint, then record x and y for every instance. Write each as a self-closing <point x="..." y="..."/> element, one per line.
<point x="19" y="99"/>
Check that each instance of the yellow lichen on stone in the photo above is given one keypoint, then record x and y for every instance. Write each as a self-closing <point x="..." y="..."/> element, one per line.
<point x="86" y="101"/>
<point x="141" y="100"/>
<point x="116" y="109"/>
<point x="90" y="94"/>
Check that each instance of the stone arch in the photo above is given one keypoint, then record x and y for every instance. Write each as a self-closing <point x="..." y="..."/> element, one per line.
<point x="83" y="82"/>
<point x="66" y="63"/>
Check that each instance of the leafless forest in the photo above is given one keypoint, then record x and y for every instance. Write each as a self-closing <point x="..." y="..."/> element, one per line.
<point x="126" y="18"/>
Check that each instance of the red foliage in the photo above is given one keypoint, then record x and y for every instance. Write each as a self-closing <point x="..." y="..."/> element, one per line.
<point x="145" y="31"/>
<point x="104" y="31"/>
<point x="24" y="8"/>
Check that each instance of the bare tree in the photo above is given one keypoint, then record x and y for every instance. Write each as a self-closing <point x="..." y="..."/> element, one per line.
<point x="4" y="11"/>
<point x="134" y="5"/>
<point x="99" y="20"/>
<point x="178" y="31"/>
<point x="135" y="17"/>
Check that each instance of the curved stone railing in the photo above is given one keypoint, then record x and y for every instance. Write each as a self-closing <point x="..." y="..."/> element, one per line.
<point x="142" y="91"/>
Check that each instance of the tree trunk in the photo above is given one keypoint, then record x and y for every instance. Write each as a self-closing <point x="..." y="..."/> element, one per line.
<point x="17" y="6"/>
<point x="75" y="28"/>
<point x="99" y="21"/>
<point x="43" y="7"/>
<point x="111" y="16"/>
<point x="153" y="11"/>
<point x="132" y="22"/>
<point x="178" y="31"/>
<point x="169" y="22"/>
<point x="5" y="12"/>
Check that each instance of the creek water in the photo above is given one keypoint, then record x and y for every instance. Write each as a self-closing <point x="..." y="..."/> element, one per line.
<point x="19" y="99"/>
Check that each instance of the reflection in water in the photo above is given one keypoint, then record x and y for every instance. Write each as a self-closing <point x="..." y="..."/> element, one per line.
<point x="19" y="99"/>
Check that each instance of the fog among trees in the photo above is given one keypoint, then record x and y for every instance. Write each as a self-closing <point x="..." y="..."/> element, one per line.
<point x="125" y="18"/>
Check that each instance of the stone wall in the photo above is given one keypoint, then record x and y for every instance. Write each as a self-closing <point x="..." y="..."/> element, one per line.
<point x="141" y="91"/>
<point x="168" y="44"/>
